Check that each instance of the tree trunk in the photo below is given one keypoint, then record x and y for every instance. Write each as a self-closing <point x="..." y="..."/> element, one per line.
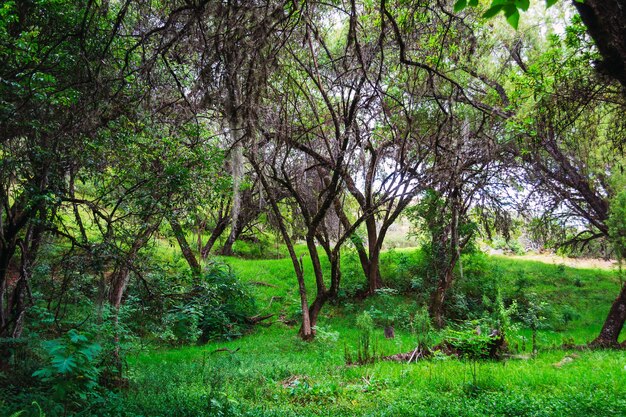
<point x="316" y="308"/>
<point x="614" y="323"/>
<point x="215" y="234"/>
<point x="6" y="254"/>
<point x="188" y="254"/>
<point x="227" y="249"/>
<point x="306" y="329"/>
<point x="439" y="297"/>
<point x="237" y="173"/>
<point x="16" y="308"/>
<point x="605" y="23"/>
<point x="390" y="332"/>
<point x="119" y="278"/>
<point x="373" y="272"/>
<point x="370" y="264"/>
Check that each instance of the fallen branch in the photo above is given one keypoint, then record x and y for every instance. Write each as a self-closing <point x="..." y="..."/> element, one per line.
<point x="263" y="284"/>
<point x="226" y="350"/>
<point x="258" y="318"/>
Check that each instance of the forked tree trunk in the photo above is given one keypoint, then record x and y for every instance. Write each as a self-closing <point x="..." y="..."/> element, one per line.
<point x="215" y="234"/>
<point x="188" y="254"/>
<point x="614" y="323"/>
<point x="306" y="329"/>
<point x="370" y="263"/>
<point x="227" y="249"/>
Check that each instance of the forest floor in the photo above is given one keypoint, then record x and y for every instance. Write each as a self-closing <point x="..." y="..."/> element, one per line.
<point x="271" y="372"/>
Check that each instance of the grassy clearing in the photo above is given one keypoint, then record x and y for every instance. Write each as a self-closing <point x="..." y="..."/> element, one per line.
<point x="273" y="373"/>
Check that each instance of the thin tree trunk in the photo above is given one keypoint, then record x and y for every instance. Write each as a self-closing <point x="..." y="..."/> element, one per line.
<point x="227" y="249"/>
<point x="215" y="234"/>
<point x="237" y="173"/>
<point x="188" y="254"/>
<point x="306" y="329"/>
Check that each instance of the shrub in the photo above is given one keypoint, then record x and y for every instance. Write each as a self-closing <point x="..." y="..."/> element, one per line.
<point x="72" y="370"/>
<point x="366" y="350"/>
<point x="422" y="327"/>
<point x="216" y="307"/>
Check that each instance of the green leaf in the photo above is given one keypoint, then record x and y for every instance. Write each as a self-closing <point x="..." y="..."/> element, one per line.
<point x="91" y="351"/>
<point x="460" y="5"/>
<point x="513" y="19"/>
<point x="522" y="4"/>
<point x="76" y="337"/>
<point x="512" y="15"/>
<point x="492" y="11"/>
<point x="64" y="365"/>
<point x="473" y="3"/>
<point x="550" y="3"/>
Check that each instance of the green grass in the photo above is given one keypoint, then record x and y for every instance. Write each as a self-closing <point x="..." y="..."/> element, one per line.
<point x="273" y="373"/>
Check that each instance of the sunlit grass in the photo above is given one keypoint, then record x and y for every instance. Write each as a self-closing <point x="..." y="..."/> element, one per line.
<point x="272" y="372"/>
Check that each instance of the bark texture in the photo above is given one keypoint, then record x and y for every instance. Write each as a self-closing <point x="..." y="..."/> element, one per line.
<point x="614" y="323"/>
<point x="605" y="21"/>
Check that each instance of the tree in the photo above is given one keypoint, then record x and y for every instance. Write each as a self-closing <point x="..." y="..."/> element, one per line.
<point x="569" y="130"/>
<point x="61" y="83"/>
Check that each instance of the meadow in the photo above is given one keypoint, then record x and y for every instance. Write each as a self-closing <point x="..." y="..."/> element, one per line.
<point x="271" y="372"/>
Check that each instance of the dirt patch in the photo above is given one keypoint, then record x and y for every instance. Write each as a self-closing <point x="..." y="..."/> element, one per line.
<point x="583" y="263"/>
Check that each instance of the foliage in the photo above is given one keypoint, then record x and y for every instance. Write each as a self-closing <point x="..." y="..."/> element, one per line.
<point x="422" y="327"/>
<point x="216" y="307"/>
<point x="366" y="345"/>
<point x="617" y="224"/>
<point x="511" y="9"/>
<point x="72" y="370"/>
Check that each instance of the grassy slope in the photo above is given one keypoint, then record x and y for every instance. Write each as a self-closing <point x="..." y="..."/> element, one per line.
<point x="274" y="373"/>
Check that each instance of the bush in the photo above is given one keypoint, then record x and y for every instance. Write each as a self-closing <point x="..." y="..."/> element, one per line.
<point x="71" y="370"/>
<point x="474" y="292"/>
<point x="217" y="307"/>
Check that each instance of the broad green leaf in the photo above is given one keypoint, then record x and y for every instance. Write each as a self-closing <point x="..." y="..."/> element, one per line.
<point x="513" y="19"/>
<point x="76" y="337"/>
<point x="64" y="365"/>
<point x="473" y="3"/>
<point x="460" y="5"/>
<point x="492" y="11"/>
<point x="522" y="4"/>
<point x="91" y="351"/>
<point x="550" y="3"/>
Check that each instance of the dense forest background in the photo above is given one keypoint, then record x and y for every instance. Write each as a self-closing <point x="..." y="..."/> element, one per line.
<point x="158" y="158"/>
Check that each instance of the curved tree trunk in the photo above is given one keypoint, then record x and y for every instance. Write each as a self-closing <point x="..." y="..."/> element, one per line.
<point x="605" y="23"/>
<point x="306" y="329"/>
<point x="215" y="234"/>
<point x="614" y="323"/>
<point x="188" y="254"/>
<point x="227" y="249"/>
